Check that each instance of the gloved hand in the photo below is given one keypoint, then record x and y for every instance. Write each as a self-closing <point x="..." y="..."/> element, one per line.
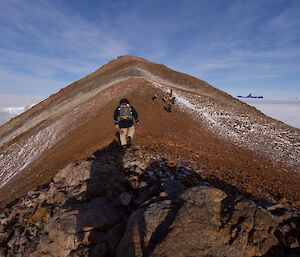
<point x="119" y="130"/>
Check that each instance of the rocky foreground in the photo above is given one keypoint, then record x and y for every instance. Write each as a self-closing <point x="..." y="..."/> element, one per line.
<point x="138" y="203"/>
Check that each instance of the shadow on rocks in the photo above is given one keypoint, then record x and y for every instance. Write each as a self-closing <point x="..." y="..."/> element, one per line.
<point x="157" y="189"/>
<point x="174" y="205"/>
<point x="138" y="204"/>
<point x="104" y="188"/>
<point x="100" y="215"/>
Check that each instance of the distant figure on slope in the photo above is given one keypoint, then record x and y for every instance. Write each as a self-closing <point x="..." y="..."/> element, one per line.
<point x="124" y="117"/>
<point x="154" y="97"/>
<point x="169" y="100"/>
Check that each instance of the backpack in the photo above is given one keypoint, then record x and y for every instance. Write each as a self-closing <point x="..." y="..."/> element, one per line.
<point x="125" y="112"/>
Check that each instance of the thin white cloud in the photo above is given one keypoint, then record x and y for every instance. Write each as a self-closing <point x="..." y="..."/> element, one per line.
<point x="45" y="47"/>
<point x="47" y="66"/>
<point x="237" y="63"/>
<point x="16" y="83"/>
<point x="231" y="41"/>
<point x="19" y="100"/>
<point x="56" y="28"/>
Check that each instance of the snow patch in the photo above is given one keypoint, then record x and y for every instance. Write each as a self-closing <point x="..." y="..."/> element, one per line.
<point x="247" y="129"/>
<point x="17" y="157"/>
<point x="202" y="112"/>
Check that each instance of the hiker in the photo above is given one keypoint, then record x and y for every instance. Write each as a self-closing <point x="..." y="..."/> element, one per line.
<point x="154" y="97"/>
<point x="124" y="117"/>
<point x="168" y="108"/>
<point x="172" y="100"/>
<point x="169" y="100"/>
<point x="165" y="99"/>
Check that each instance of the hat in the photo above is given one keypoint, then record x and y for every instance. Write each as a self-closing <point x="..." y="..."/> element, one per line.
<point x="124" y="101"/>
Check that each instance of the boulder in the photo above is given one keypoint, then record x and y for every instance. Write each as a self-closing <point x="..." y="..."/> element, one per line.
<point x="97" y="213"/>
<point x="60" y="198"/>
<point x="80" y="252"/>
<point x="196" y="225"/>
<point x="140" y="227"/>
<point x="204" y="224"/>
<point x="173" y="188"/>
<point x="61" y="237"/>
<point x="40" y="214"/>
<point x="73" y="174"/>
<point x="47" y="248"/>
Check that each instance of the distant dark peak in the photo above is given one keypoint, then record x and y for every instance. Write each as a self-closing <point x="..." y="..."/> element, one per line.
<point x="249" y="96"/>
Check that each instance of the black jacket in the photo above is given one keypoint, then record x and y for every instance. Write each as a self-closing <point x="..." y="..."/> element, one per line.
<point x="125" y="123"/>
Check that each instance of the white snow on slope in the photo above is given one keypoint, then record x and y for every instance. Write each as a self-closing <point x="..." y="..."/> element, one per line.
<point x="15" y="158"/>
<point x="247" y="130"/>
<point x="59" y="109"/>
<point x="202" y="112"/>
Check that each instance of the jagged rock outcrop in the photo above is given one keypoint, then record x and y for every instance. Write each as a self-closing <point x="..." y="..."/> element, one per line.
<point x="139" y="203"/>
<point x="199" y="226"/>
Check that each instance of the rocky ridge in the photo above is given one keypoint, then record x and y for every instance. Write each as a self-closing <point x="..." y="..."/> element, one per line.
<point x="140" y="203"/>
<point x="221" y="135"/>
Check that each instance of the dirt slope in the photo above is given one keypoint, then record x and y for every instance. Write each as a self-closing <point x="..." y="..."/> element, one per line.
<point x="215" y="133"/>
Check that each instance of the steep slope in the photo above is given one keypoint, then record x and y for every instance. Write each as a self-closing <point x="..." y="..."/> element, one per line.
<point x="216" y="133"/>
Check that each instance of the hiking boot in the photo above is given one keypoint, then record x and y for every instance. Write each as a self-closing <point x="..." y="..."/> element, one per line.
<point x="129" y="139"/>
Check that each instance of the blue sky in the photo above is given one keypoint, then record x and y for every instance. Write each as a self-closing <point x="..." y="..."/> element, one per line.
<point x="237" y="46"/>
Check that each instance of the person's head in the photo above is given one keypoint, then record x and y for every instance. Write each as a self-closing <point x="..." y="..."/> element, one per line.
<point x="124" y="101"/>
